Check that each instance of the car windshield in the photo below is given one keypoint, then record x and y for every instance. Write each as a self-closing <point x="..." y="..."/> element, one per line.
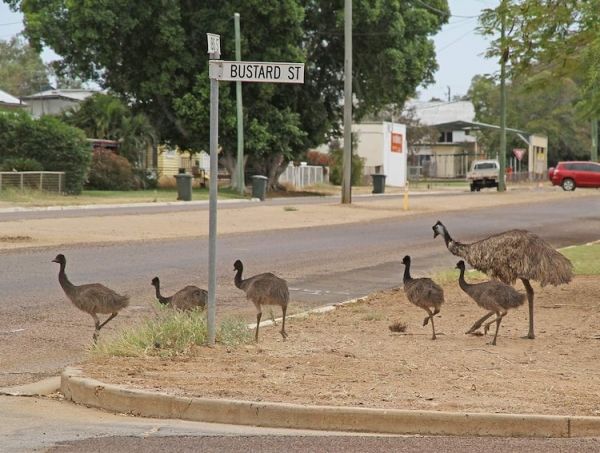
<point x="485" y="166"/>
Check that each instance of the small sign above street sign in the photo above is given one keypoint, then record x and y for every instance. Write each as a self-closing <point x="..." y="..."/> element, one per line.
<point x="245" y="71"/>
<point x="214" y="43"/>
<point x="519" y="153"/>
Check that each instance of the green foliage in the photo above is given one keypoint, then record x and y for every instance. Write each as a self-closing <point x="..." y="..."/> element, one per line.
<point x="22" y="71"/>
<point x="54" y="144"/>
<point x="153" y="54"/>
<point x="104" y="116"/>
<point x="172" y="333"/>
<point x="336" y="159"/>
<point x="109" y="171"/>
<point x="537" y="104"/>
<point x="20" y="164"/>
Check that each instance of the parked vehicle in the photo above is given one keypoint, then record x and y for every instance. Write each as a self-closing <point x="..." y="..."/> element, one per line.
<point x="483" y="173"/>
<point x="570" y="175"/>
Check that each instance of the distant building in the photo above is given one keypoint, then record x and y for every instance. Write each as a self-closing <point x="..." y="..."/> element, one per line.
<point x="10" y="103"/>
<point x="54" y="102"/>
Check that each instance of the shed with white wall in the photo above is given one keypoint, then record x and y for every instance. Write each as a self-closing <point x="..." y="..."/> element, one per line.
<point x="384" y="148"/>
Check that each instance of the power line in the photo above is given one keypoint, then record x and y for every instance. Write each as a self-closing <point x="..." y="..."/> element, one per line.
<point x="10" y="23"/>
<point x="455" y="41"/>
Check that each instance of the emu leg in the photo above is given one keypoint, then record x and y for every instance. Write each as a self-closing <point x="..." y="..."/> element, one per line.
<point x="97" y="325"/>
<point x="106" y="322"/>
<point x="529" y="290"/>
<point x="258" y="315"/>
<point x="426" y="321"/>
<point x="272" y="316"/>
<point x="478" y="324"/>
<point x="283" y="332"/>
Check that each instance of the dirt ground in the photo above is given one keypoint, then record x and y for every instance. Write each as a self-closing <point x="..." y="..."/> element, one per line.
<point x="349" y="357"/>
<point x="17" y="234"/>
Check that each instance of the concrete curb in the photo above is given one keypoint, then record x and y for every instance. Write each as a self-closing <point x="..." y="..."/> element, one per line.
<point x="41" y="388"/>
<point x="90" y="392"/>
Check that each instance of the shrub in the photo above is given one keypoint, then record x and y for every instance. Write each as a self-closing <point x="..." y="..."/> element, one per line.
<point x="109" y="171"/>
<point x="336" y="159"/>
<point x="317" y="158"/>
<point x="54" y="144"/>
<point x="20" y="164"/>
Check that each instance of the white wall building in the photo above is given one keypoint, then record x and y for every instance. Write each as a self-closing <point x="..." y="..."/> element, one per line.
<point x="54" y="102"/>
<point x="383" y="146"/>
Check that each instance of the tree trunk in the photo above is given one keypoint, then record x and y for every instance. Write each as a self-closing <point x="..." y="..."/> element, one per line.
<point x="276" y="165"/>
<point x="229" y="161"/>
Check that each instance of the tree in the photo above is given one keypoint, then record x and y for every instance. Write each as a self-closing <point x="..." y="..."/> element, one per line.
<point x="22" y="71"/>
<point x="104" y="116"/>
<point x="152" y="53"/>
<point x="538" y="104"/>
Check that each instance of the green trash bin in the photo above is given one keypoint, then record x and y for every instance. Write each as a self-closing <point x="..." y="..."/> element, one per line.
<point x="184" y="186"/>
<point x="259" y="187"/>
<point x="378" y="183"/>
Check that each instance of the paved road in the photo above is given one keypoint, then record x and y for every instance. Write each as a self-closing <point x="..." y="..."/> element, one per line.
<point x="40" y="424"/>
<point x="41" y="332"/>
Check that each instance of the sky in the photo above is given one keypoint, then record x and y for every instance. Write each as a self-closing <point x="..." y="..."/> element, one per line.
<point x="459" y="48"/>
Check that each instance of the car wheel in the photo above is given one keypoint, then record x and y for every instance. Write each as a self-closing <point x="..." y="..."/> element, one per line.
<point x="568" y="184"/>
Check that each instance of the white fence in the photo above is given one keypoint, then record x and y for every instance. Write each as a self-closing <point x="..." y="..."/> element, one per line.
<point x="50" y="181"/>
<point x="304" y="175"/>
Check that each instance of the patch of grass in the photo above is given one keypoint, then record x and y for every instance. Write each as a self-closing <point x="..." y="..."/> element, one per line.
<point x="29" y="197"/>
<point x="172" y="333"/>
<point x="290" y="208"/>
<point x="398" y="326"/>
<point x="585" y="258"/>
<point x="451" y="275"/>
<point x="373" y="316"/>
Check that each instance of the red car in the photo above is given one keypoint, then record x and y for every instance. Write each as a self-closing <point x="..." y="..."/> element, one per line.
<point x="569" y="175"/>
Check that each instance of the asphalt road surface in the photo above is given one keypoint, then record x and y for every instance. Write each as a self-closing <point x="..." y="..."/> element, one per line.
<point x="41" y="332"/>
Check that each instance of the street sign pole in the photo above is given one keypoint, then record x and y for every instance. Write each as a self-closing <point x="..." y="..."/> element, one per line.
<point x="214" y="50"/>
<point x="241" y="184"/>
<point x="233" y="71"/>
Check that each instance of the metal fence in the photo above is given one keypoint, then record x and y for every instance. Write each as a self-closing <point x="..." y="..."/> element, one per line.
<point x="304" y="175"/>
<point x="49" y="181"/>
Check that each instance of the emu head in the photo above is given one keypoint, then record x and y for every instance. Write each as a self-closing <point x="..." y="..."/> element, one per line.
<point x="460" y="265"/>
<point x="155" y="281"/>
<point x="438" y="229"/>
<point x="238" y="266"/>
<point x="406" y="260"/>
<point x="60" y="259"/>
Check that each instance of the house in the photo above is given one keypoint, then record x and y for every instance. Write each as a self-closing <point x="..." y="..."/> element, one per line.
<point x="54" y="102"/>
<point x="454" y="147"/>
<point x="167" y="162"/>
<point x="9" y="103"/>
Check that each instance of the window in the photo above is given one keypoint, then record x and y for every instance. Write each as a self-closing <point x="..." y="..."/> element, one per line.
<point x="445" y="137"/>
<point x="486" y="166"/>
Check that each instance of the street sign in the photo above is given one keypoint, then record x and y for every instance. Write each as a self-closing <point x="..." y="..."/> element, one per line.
<point x="214" y="43"/>
<point x="247" y="71"/>
<point x="396" y="142"/>
<point x="519" y="153"/>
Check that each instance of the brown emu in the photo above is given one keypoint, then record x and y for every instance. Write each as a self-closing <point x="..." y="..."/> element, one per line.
<point x="511" y="255"/>
<point x="263" y="289"/>
<point x="494" y="296"/>
<point x="424" y="293"/>
<point x="92" y="298"/>
<point x="189" y="298"/>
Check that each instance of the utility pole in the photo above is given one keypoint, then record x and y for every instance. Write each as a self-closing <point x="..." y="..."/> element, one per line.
<point x="594" y="155"/>
<point x="347" y="160"/>
<point x="503" y="60"/>
<point x="241" y="184"/>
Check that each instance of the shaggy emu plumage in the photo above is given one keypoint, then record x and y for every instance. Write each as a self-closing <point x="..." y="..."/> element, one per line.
<point x="424" y="293"/>
<point x="263" y="289"/>
<point x="92" y="298"/>
<point x="512" y="255"/>
<point x="494" y="296"/>
<point x="186" y="299"/>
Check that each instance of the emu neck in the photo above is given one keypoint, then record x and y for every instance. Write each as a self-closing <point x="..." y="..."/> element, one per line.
<point x="407" y="276"/>
<point x="161" y="299"/>
<point x="461" y="280"/>
<point x="66" y="285"/>
<point x="447" y="237"/>
<point x="238" y="278"/>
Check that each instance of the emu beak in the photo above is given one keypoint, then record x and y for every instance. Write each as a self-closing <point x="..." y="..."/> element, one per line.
<point x="54" y="261"/>
<point x="435" y="232"/>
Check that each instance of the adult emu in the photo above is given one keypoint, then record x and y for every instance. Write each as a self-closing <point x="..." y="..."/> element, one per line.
<point x="189" y="298"/>
<point x="512" y="255"/>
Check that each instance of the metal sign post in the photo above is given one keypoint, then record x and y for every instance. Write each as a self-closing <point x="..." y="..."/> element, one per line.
<point x="235" y="71"/>
<point x="214" y="49"/>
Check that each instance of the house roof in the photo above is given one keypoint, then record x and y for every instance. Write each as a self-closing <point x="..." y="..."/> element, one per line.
<point x="473" y="125"/>
<point x="72" y="94"/>
<point x="434" y="113"/>
<point x="8" y="99"/>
